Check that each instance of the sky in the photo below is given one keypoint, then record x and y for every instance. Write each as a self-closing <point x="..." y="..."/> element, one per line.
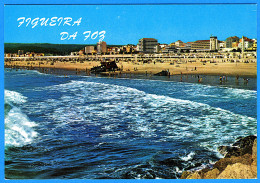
<point x="126" y="24"/>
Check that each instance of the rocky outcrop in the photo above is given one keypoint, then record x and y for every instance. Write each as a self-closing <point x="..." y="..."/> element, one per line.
<point x="239" y="162"/>
<point x="237" y="171"/>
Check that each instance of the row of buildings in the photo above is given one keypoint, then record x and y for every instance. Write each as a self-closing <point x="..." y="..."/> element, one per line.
<point x="103" y="48"/>
<point x="21" y="53"/>
<point x="151" y="45"/>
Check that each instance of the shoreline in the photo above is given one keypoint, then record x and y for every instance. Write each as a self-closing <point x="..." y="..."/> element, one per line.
<point x="241" y="82"/>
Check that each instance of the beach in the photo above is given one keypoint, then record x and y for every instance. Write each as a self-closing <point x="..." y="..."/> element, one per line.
<point x="119" y="127"/>
<point x="209" y="66"/>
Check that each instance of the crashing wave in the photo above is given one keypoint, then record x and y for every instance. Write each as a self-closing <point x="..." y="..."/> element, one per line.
<point x="18" y="127"/>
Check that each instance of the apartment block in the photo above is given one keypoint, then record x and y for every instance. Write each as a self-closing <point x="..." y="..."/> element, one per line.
<point x="147" y="45"/>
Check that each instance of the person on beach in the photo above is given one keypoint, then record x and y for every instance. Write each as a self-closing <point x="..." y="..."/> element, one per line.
<point x="246" y="81"/>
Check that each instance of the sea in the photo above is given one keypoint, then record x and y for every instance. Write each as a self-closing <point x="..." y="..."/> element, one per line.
<point x="68" y="126"/>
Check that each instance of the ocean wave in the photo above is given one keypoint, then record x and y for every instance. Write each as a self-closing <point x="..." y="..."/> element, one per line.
<point x="14" y="97"/>
<point x="188" y="157"/>
<point x="114" y="108"/>
<point x="18" y="127"/>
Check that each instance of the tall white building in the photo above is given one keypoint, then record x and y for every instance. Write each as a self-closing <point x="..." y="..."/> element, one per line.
<point x="101" y="47"/>
<point x="89" y="49"/>
<point x="147" y="45"/>
<point x="213" y="43"/>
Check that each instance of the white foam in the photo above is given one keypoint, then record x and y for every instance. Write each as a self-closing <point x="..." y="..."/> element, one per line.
<point x="14" y="97"/>
<point x="18" y="128"/>
<point x="188" y="157"/>
<point x="147" y="114"/>
<point x="241" y="93"/>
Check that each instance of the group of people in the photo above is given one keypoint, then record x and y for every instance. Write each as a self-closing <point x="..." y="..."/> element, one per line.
<point x="222" y="79"/>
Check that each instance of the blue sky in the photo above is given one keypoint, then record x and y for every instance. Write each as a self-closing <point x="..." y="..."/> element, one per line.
<point x="126" y="24"/>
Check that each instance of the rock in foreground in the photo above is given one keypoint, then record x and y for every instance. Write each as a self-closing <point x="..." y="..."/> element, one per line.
<point x="239" y="162"/>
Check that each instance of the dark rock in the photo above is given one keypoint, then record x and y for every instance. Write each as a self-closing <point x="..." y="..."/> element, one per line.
<point x="162" y="73"/>
<point x="171" y="162"/>
<point x="246" y="144"/>
<point x="239" y="148"/>
<point x="246" y="141"/>
<point x="234" y="151"/>
<point x="224" y="150"/>
<point x="193" y="166"/>
<point x="105" y="66"/>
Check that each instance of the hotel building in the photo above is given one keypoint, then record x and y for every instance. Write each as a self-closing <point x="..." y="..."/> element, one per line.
<point x="201" y="45"/>
<point x="232" y="42"/>
<point x="101" y="47"/>
<point x="147" y="45"/>
<point x="89" y="49"/>
<point x="213" y="43"/>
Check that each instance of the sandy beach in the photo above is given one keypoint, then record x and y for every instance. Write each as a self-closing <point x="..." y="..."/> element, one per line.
<point x="226" y="67"/>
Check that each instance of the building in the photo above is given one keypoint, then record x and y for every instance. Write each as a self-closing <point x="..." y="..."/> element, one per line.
<point x="74" y="53"/>
<point x="221" y="44"/>
<point x="89" y="49"/>
<point x="157" y="48"/>
<point x="171" y="45"/>
<point x="81" y="52"/>
<point x="232" y="42"/>
<point x="188" y="45"/>
<point x="169" y="49"/>
<point x="254" y="46"/>
<point x="162" y="45"/>
<point x="235" y="45"/>
<point x="101" y="47"/>
<point x="201" y="45"/>
<point x="213" y="43"/>
<point x="20" y="52"/>
<point x="147" y="45"/>
<point x="130" y="48"/>
<point x="179" y="43"/>
<point x="113" y="50"/>
<point x="248" y="43"/>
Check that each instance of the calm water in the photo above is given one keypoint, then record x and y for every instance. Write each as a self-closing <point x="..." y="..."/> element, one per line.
<point x="82" y="127"/>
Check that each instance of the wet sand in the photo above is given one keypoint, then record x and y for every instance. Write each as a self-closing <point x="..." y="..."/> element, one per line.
<point x="242" y="82"/>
